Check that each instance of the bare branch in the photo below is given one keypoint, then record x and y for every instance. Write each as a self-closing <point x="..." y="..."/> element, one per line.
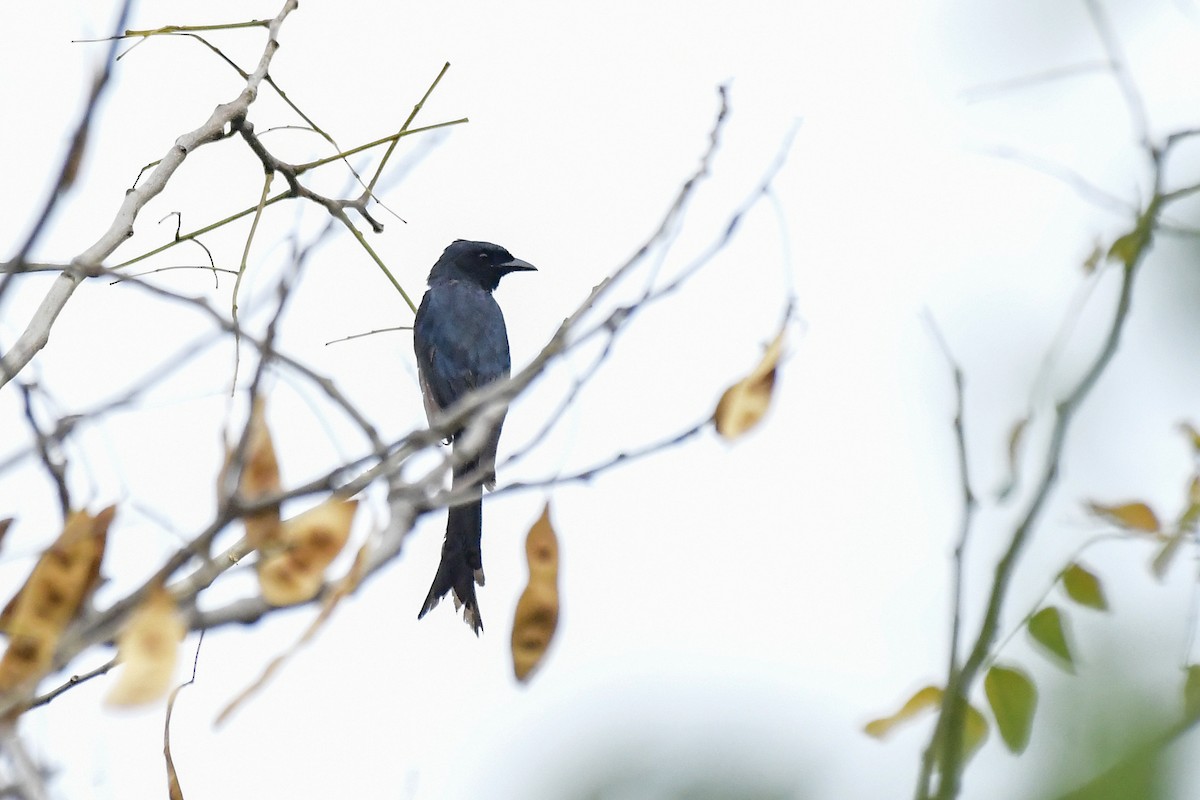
<point x="1120" y="69"/>
<point x="69" y="169"/>
<point x="72" y="682"/>
<point x="985" y="91"/>
<point x="37" y="332"/>
<point x="1068" y="177"/>
<point x="28" y="778"/>
<point x="49" y="449"/>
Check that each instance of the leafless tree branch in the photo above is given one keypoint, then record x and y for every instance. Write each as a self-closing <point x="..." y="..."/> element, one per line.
<point x="37" y="332"/>
<point x="71" y="162"/>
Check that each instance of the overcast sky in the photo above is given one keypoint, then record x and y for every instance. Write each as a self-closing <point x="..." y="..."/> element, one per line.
<point x="729" y="612"/>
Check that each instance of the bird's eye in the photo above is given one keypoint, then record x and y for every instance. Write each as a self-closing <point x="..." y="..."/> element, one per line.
<point x="483" y="256"/>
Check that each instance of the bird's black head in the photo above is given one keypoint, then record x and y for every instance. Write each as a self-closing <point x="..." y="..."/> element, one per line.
<point x="482" y="262"/>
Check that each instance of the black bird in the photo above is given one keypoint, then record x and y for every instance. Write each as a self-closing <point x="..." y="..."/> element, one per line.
<point x="461" y="345"/>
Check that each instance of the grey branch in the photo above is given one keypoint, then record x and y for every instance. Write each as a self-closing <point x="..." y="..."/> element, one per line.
<point x="37" y="332"/>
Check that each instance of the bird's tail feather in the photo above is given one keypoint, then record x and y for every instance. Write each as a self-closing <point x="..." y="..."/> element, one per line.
<point x="461" y="567"/>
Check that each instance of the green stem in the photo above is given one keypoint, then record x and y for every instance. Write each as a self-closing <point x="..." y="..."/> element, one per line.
<point x="952" y="732"/>
<point x="404" y="128"/>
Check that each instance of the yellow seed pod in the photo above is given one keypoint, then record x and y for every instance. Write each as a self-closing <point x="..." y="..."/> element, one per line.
<point x="536" y="616"/>
<point x="295" y="572"/>
<point x="148" y="649"/>
<point x="52" y="595"/>
<point x="743" y="405"/>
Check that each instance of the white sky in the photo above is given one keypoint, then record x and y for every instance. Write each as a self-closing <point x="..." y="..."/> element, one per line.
<point x="728" y="611"/>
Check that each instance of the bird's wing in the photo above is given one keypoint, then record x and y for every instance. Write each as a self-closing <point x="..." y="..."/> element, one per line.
<point x="460" y="340"/>
<point x="461" y="344"/>
<point x="427" y="396"/>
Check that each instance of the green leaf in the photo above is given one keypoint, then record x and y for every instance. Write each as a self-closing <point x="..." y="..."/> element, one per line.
<point x="1125" y="248"/>
<point x="1015" y="436"/>
<point x="1193" y="435"/>
<point x="1084" y="587"/>
<point x="1046" y="628"/>
<point x="1013" y="698"/>
<point x="1191" y="691"/>
<point x="1129" y="248"/>
<point x="1166" y="554"/>
<point x="1191" y="515"/>
<point x="975" y="726"/>
<point x="1133" y="517"/>
<point x="975" y="731"/>
<point x="926" y="698"/>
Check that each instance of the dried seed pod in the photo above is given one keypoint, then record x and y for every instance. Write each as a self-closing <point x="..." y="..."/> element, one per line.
<point x="308" y="543"/>
<point x="148" y="649"/>
<point x="52" y="596"/>
<point x="536" y="617"/>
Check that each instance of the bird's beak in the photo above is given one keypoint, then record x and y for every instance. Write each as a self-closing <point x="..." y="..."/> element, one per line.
<point x="517" y="265"/>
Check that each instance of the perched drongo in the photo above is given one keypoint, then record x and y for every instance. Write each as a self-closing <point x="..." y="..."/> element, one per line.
<point x="461" y="345"/>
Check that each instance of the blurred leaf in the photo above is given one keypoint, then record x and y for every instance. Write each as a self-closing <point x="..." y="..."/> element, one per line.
<point x="1125" y="248"/>
<point x="975" y="731"/>
<point x="1131" y="516"/>
<point x="536" y="616"/>
<point x="1047" y="629"/>
<point x="924" y="699"/>
<point x="743" y="405"/>
<point x="148" y="649"/>
<point x="51" y="598"/>
<point x="1191" y="515"/>
<point x="1013" y="699"/>
<point x="1016" y="436"/>
<point x="1113" y="732"/>
<point x="1166" y="554"/>
<point x="308" y="544"/>
<point x="1084" y="587"/>
<point x="1129" y="248"/>
<point x="1093" y="259"/>
<point x="1193" y="435"/>
<point x="1191" y="691"/>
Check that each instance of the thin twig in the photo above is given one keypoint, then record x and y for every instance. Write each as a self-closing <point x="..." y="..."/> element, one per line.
<point x="943" y="749"/>
<point x="985" y="91"/>
<point x="72" y="682"/>
<point x="1120" y="69"/>
<point x="28" y="778"/>
<point x="49" y="450"/>
<point x="68" y="171"/>
<point x="1065" y="175"/>
<point x="37" y="332"/>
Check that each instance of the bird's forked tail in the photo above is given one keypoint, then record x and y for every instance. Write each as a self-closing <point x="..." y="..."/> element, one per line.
<point x="461" y="567"/>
